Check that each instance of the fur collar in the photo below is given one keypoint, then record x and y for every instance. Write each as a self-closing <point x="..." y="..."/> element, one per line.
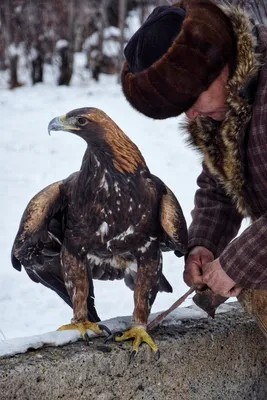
<point x="219" y="142"/>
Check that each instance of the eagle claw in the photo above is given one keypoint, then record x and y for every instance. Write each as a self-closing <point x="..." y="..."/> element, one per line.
<point x="106" y="329"/>
<point x="157" y="355"/>
<point x="86" y="338"/>
<point x="113" y="336"/>
<point x="132" y="356"/>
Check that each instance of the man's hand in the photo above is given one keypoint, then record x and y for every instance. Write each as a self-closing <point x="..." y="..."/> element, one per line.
<point x="201" y="268"/>
<point x="198" y="257"/>
<point x="218" y="281"/>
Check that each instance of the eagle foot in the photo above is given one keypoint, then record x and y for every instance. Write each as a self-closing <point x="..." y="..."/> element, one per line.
<point x="139" y="336"/>
<point x="82" y="328"/>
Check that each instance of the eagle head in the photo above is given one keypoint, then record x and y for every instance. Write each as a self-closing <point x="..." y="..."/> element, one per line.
<point x="84" y="122"/>
<point x="102" y="134"/>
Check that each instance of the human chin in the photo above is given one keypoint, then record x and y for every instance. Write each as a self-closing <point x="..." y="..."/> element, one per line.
<point x="218" y="116"/>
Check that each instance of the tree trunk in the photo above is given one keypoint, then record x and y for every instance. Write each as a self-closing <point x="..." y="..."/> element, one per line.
<point x="13" y="69"/>
<point x="122" y="16"/>
<point x="11" y="55"/>
<point x="37" y="66"/>
<point x="66" y="52"/>
<point x="101" y="27"/>
<point x="66" y="65"/>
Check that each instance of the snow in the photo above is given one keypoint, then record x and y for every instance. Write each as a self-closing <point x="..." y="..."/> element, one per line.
<point x="132" y="24"/>
<point x="61" y="44"/>
<point x="111" y="45"/>
<point x="93" y="39"/>
<point x="14" y="50"/>
<point x="33" y="54"/>
<point x="31" y="160"/>
<point x="20" y="345"/>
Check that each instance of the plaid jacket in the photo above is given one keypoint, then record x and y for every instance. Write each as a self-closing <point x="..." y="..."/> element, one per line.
<point x="233" y="183"/>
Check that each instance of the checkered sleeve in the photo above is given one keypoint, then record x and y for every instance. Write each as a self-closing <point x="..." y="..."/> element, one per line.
<point x="216" y="220"/>
<point x="245" y="258"/>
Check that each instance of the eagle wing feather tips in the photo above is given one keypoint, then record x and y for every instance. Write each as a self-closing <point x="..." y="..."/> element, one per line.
<point x="173" y="223"/>
<point x="33" y="228"/>
<point x="38" y="243"/>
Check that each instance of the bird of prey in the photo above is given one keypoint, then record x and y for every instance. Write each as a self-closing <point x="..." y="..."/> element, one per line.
<point x="110" y="220"/>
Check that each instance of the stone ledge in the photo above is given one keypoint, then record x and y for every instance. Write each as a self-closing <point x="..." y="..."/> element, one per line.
<point x="225" y="358"/>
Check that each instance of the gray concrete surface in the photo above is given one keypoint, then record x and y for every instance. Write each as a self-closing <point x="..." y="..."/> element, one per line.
<point x="204" y="359"/>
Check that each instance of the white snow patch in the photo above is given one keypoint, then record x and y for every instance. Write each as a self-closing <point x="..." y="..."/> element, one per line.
<point x="111" y="44"/>
<point x="61" y="44"/>
<point x="11" y="347"/>
<point x="14" y="50"/>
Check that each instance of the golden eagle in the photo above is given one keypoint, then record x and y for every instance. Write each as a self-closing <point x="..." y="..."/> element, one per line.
<point x="110" y="220"/>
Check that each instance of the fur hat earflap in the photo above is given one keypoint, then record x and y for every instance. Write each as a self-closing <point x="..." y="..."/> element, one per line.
<point x="175" y="56"/>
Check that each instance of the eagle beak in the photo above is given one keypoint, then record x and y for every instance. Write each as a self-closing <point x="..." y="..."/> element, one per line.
<point x="62" y="123"/>
<point x="57" y="124"/>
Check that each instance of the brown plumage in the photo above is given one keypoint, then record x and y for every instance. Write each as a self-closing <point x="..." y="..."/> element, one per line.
<point x="110" y="220"/>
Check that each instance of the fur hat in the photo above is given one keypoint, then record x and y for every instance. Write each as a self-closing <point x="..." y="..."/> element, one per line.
<point x="175" y="56"/>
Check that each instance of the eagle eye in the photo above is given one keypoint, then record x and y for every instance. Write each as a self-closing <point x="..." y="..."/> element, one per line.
<point x="82" y="121"/>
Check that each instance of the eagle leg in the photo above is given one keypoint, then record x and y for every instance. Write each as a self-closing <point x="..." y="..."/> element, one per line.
<point x="147" y="285"/>
<point x="76" y="281"/>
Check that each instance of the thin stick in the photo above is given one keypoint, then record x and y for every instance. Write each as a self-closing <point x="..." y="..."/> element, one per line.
<point x="3" y="334"/>
<point x="163" y="315"/>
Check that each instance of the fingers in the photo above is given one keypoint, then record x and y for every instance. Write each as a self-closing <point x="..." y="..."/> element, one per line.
<point x="218" y="281"/>
<point x="193" y="274"/>
<point x="203" y="254"/>
<point x="197" y="258"/>
<point x="202" y="269"/>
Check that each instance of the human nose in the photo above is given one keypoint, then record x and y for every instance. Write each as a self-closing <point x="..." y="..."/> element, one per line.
<point x="192" y="113"/>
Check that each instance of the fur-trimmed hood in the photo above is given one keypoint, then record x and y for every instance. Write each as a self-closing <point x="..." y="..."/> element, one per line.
<point x="220" y="142"/>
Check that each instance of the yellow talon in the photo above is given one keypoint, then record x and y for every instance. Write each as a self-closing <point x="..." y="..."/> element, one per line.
<point x="138" y="335"/>
<point x="82" y="328"/>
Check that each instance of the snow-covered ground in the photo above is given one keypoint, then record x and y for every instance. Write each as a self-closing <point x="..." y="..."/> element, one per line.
<point x="30" y="160"/>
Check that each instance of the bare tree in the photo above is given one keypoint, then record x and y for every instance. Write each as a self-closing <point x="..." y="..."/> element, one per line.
<point x="39" y="29"/>
<point x="34" y="37"/>
<point x="66" y="50"/>
<point x="100" y="26"/>
<point x="11" y="25"/>
<point x="122" y="16"/>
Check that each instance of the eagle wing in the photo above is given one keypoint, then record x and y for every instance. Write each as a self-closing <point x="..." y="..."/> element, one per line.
<point x="172" y="220"/>
<point x="37" y="245"/>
